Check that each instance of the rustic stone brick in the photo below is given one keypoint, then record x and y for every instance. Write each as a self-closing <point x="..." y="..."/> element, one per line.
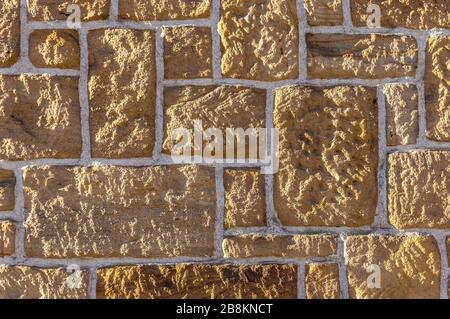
<point x="328" y="154"/>
<point x="402" y="114"/>
<point x="289" y="246"/>
<point x="413" y="14"/>
<point x="372" y="56"/>
<point x="55" y="49"/>
<point x="39" y="117"/>
<point x="418" y="186"/>
<point x="259" y="39"/>
<point x="322" y="281"/>
<point x="324" y="12"/>
<point x="9" y="32"/>
<point x="54" y="10"/>
<point x="409" y="266"/>
<point x="7" y="238"/>
<point x="198" y="281"/>
<point x="22" y="282"/>
<point x="142" y="10"/>
<point x="122" y="90"/>
<point x="103" y="211"/>
<point x="437" y="89"/>
<point x="245" y="204"/>
<point x="219" y="107"/>
<point x="187" y="53"/>
<point x="7" y="185"/>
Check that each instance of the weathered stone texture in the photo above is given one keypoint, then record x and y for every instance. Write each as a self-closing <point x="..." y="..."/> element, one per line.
<point x="328" y="156"/>
<point x="103" y="211"/>
<point x="122" y="89"/>
<point x="244" y="198"/>
<point x="324" y="12"/>
<point x="259" y="39"/>
<point x="51" y="10"/>
<point x="288" y="246"/>
<point x="9" y="32"/>
<point x="142" y="10"/>
<point x="187" y="53"/>
<point x="409" y="266"/>
<point x="22" y="282"/>
<point x="372" y="56"/>
<point x="198" y="281"/>
<point x="7" y="238"/>
<point x="418" y="189"/>
<point x="55" y="49"/>
<point x="402" y="114"/>
<point x="39" y="117"/>
<point x="7" y="185"/>
<point x="413" y="14"/>
<point x="437" y="89"/>
<point x="322" y="281"/>
<point x="219" y="107"/>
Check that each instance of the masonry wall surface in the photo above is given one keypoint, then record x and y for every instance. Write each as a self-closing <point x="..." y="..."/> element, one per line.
<point x="87" y="182"/>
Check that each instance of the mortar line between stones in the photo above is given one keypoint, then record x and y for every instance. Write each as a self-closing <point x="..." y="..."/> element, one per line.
<point x="343" y="283"/>
<point x="271" y="215"/>
<point x="442" y="245"/>
<point x="219" y="222"/>
<point x="216" y="46"/>
<point x="92" y="282"/>
<point x="302" y="48"/>
<point x="347" y="14"/>
<point x="381" y="219"/>
<point x="114" y="11"/>
<point x="301" y="275"/>
<point x="422" y="140"/>
<point x="159" y="100"/>
<point x="84" y="97"/>
<point x="19" y="209"/>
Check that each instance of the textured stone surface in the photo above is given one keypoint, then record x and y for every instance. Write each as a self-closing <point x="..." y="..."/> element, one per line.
<point x="437" y="88"/>
<point x="7" y="238"/>
<point x="198" y="281"/>
<point x="413" y="14"/>
<point x="7" y="184"/>
<point x="409" y="266"/>
<point x="55" y="49"/>
<point x="294" y="246"/>
<point x="187" y="53"/>
<point x="22" y="282"/>
<point x="122" y="89"/>
<point x="39" y="117"/>
<point x="418" y="189"/>
<point x="328" y="156"/>
<point x="401" y="114"/>
<point x="142" y="10"/>
<point x="9" y="32"/>
<point x="324" y="12"/>
<point x="216" y="106"/>
<point x="372" y="56"/>
<point x="322" y="281"/>
<point x="51" y="10"/>
<point x="105" y="211"/>
<point x="259" y="39"/>
<point x="245" y="204"/>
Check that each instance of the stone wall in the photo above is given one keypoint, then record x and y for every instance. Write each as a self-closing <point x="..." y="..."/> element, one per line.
<point x="87" y="182"/>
